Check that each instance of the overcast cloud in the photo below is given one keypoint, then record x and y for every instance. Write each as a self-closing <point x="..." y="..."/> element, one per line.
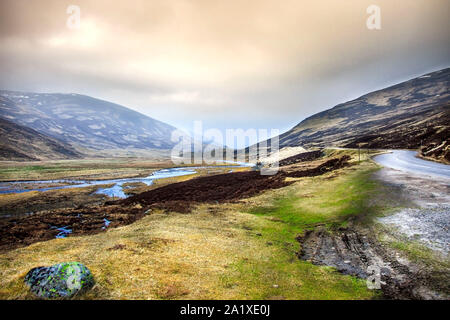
<point x="249" y="64"/>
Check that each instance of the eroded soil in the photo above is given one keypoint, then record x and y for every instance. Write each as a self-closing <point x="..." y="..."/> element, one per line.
<point x="355" y="251"/>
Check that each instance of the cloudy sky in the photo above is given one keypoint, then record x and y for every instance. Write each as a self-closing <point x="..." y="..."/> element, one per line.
<point x="232" y="64"/>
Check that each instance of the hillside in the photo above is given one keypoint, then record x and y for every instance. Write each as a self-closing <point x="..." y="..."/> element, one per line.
<point x="21" y="143"/>
<point x="413" y="114"/>
<point x="85" y="122"/>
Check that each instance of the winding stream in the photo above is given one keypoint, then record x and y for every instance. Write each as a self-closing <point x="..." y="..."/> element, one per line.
<point x="116" y="191"/>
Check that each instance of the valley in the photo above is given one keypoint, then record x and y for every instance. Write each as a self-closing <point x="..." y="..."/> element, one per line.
<point x="165" y="248"/>
<point x="192" y="229"/>
<point x="220" y="159"/>
<point x="86" y="180"/>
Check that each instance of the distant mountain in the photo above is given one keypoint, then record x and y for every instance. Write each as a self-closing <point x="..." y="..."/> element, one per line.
<point x="85" y="122"/>
<point x="20" y="143"/>
<point x="412" y="114"/>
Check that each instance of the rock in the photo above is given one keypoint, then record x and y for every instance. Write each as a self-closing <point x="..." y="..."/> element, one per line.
<point x="63" y="280"/>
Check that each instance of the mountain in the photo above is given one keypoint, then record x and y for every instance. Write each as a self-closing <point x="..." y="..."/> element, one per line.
<point x="85" y="122"/>
<point x="20" y="143"/>
<point x="413" y="114"/>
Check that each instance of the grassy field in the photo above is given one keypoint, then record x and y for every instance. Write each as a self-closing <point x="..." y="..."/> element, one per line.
<point x="245" y="250"/>
<point x="84" y="169"/>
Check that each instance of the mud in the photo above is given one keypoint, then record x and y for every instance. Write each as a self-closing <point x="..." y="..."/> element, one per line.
<point x="16" y="205"/>
<point x="352" y="251"/>
<point x="424" y="218"/>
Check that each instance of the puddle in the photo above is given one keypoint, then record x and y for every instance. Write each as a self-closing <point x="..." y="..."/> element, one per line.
<point x="107" y="223"/>
<point x="63" y="231"/>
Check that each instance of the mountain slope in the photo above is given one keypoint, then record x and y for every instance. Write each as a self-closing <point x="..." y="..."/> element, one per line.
<point x="412" y="114"/>
<point x="21" y="143"/>
<point x="85" y="122"/>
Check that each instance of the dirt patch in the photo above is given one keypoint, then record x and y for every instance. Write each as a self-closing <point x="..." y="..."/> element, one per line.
<point x="302" y="157"/>
<point x="353" y="251"/>
<point x="425" y="216"/>
<point x="225" y="187"/>
<point x="47" y="225"/>
<point x="219" y="188"/>
<point x="327" y="166"/>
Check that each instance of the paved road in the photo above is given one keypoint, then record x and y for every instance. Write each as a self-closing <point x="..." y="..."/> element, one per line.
<point x="408" y="162"/>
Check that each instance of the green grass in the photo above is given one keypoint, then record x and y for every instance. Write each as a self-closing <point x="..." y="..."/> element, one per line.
<point x="330" y="202"/>
<point x="278" y="273"/>
<point x="244" y="251"/>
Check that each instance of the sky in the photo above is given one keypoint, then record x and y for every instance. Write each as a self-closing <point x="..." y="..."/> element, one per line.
<point x="260" y="64"/>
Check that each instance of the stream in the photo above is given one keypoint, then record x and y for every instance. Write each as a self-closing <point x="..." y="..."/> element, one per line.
<point x="115" y="191"/>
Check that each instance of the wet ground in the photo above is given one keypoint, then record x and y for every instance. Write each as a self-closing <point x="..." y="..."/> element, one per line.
<point x="356" y="251"/>
<point x="181" y="196"/>
<point x="114" y="191"/>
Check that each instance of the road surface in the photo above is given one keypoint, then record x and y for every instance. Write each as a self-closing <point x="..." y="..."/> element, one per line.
<point x="407" y="161"/>
<point x="426" y="185"/>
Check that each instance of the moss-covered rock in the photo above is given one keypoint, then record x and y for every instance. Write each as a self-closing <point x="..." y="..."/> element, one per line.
<point x="63" y="280"/>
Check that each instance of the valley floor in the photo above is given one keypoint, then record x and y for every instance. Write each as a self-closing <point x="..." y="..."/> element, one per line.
<point x="246" y="249"/>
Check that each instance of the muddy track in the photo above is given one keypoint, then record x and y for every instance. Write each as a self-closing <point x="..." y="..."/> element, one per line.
<point x="353" y="251"/>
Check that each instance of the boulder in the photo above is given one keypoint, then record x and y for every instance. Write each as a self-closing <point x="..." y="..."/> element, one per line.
<point x="63" y="280"/>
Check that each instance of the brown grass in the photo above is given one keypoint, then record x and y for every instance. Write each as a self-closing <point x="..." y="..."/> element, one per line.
<point x="216" y="252"/>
